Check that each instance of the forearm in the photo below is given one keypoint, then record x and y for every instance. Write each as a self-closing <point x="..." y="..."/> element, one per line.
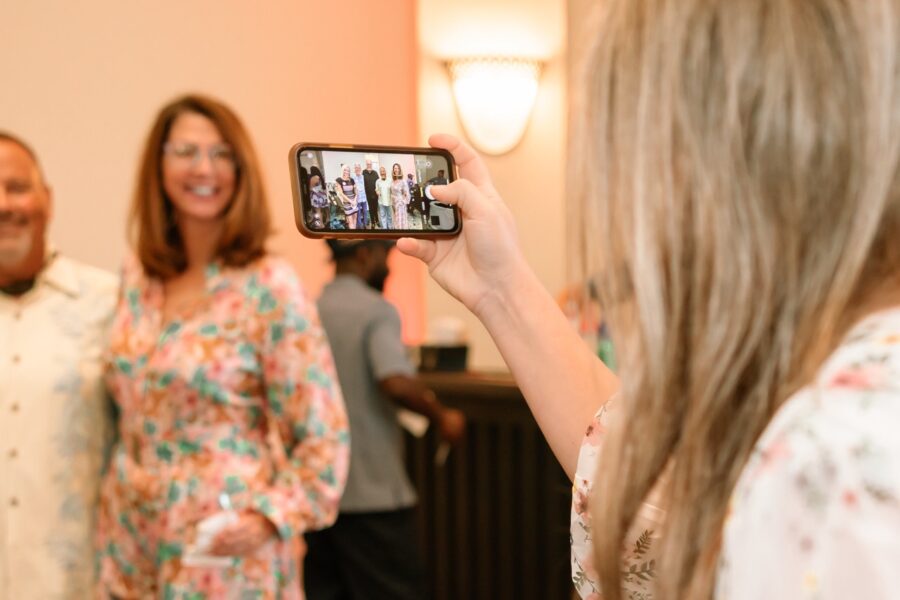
<point x="306" y="489"/>
<point x="563" y="382"/>
<point x="411" y="394"/>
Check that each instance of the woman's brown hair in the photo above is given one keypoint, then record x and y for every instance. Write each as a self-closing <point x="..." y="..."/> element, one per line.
<point x="152" y="227"/>
<point x="742" y="209"/>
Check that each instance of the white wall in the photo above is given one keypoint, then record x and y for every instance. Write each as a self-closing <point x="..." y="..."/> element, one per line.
<point x="531" y="178"/>
<point x="83" y="80"/>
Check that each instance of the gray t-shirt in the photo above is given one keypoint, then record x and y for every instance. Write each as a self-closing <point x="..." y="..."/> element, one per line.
<point x="364" y="331"/>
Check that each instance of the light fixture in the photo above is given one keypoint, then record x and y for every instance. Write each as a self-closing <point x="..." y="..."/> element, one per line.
<point x="494" y="98"/>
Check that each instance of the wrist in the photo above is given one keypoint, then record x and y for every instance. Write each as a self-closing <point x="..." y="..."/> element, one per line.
<point x="261" y="523"/>
<point x="504" y="302"/>
<point x="434" y="410"/>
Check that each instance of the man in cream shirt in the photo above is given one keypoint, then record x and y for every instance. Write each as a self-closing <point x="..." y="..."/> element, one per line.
<point x="55" y="418"/>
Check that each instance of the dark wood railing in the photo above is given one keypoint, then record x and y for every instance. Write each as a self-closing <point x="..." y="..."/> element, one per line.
<point x="495" y="516"/>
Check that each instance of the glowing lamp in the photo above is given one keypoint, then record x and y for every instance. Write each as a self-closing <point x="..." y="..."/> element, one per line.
<point x="494" y="98"/>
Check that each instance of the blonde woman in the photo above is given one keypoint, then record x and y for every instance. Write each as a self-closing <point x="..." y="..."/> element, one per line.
<point x="742" y="219"/>
<point x="399" y="197"/>
<point x="347" y="192"/>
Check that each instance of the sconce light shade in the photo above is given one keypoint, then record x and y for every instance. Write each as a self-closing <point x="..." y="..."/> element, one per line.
<point x="494" y="98"/>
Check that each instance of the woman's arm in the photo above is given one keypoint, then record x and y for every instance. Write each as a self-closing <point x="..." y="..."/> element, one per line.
<point x="562" y="380"/>
<point x="308" y="427"/>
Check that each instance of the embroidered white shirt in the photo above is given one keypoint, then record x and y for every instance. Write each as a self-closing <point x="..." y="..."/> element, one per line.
<point x="55" y="425"/>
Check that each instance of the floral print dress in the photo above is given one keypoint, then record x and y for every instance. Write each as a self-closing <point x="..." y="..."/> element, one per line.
<point x="815" y="514"/>
<point x="238" y="397"/>
<point x="400" y="199"/>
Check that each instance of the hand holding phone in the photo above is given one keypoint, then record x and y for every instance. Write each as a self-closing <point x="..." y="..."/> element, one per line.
<point x="371" y="191"/>
<point x="483" y="265"/>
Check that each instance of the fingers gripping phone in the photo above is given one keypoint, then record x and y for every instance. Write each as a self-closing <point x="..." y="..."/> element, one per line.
<point x="343" y="191"/>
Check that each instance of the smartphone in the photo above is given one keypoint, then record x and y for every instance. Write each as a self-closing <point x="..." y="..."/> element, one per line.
<point x="344" y="191"/>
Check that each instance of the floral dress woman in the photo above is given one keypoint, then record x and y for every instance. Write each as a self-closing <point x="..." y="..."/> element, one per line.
<point x="233" y="404"/>
<point x="400" y="200"/>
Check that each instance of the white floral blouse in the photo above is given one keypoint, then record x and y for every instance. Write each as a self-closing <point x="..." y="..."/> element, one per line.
<point x="816" y="512"/>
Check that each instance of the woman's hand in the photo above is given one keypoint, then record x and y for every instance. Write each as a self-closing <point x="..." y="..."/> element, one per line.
<point x="248" y="534"/>
<point x="482" y="265"/>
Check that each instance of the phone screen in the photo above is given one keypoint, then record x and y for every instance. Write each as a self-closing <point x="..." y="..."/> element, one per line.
<point x="371" y="192"/>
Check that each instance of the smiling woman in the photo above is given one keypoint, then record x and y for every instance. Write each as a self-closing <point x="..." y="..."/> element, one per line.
<point x="210" y="176"/>
<point x="199" y="170"/>
<point x="220" y="371"/>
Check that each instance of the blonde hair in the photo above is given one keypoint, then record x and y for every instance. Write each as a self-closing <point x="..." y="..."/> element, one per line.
<point x="152" y="229"/>
<point x="740" y="203"/>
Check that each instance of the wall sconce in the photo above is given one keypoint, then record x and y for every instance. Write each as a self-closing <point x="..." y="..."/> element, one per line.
<point x="494" y="98"/>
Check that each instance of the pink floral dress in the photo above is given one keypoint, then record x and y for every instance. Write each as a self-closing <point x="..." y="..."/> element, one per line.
<point x="240" y="398"/>
<point x="816" y="512"/>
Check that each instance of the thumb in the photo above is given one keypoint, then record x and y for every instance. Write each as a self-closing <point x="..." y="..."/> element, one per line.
<point x="463" y="193"/>
<point x="424" y="250"/>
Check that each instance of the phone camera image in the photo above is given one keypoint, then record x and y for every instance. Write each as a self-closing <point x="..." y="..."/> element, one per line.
<point x="442" y="216"/>
<point x="366" y="191"/>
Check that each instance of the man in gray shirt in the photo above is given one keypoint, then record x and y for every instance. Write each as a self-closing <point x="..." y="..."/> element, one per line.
<point x="372" y="552"/>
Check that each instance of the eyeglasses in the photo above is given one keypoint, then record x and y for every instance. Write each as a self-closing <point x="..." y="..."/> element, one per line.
<point x="186" y="154"/>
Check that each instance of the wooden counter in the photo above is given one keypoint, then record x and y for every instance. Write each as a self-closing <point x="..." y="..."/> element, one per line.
<point x="495" y="517"/>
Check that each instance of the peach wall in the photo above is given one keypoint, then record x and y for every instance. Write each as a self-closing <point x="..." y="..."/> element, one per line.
<point x="531" y="178"/>
<point x="82" y="81"/>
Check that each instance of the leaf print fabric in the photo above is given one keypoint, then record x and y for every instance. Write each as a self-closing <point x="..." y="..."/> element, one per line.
<point x="639" y="560"/>
<point x="240" y="398"/>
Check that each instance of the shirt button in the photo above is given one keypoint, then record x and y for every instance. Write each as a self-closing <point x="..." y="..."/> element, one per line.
<point x="13" y="453"/>
<point x="14" y="502"/>
<point x="14" y="407"/>
<point x="16" y="358"/>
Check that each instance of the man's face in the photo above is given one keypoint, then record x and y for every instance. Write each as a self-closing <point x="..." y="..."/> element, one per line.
<point x="24" y="205"/>
<point x="368" y="165"/>
<point x="377" y="268"/>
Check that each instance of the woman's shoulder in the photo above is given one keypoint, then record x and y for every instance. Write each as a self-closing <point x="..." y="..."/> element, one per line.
<point x="859" y="379"/>
<point x="132" y="271"/>
<point x="276" y="273"/>
<point x="851" y="407"/>
<point x="836" y="436"/>
<point x="825" y="474"/>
